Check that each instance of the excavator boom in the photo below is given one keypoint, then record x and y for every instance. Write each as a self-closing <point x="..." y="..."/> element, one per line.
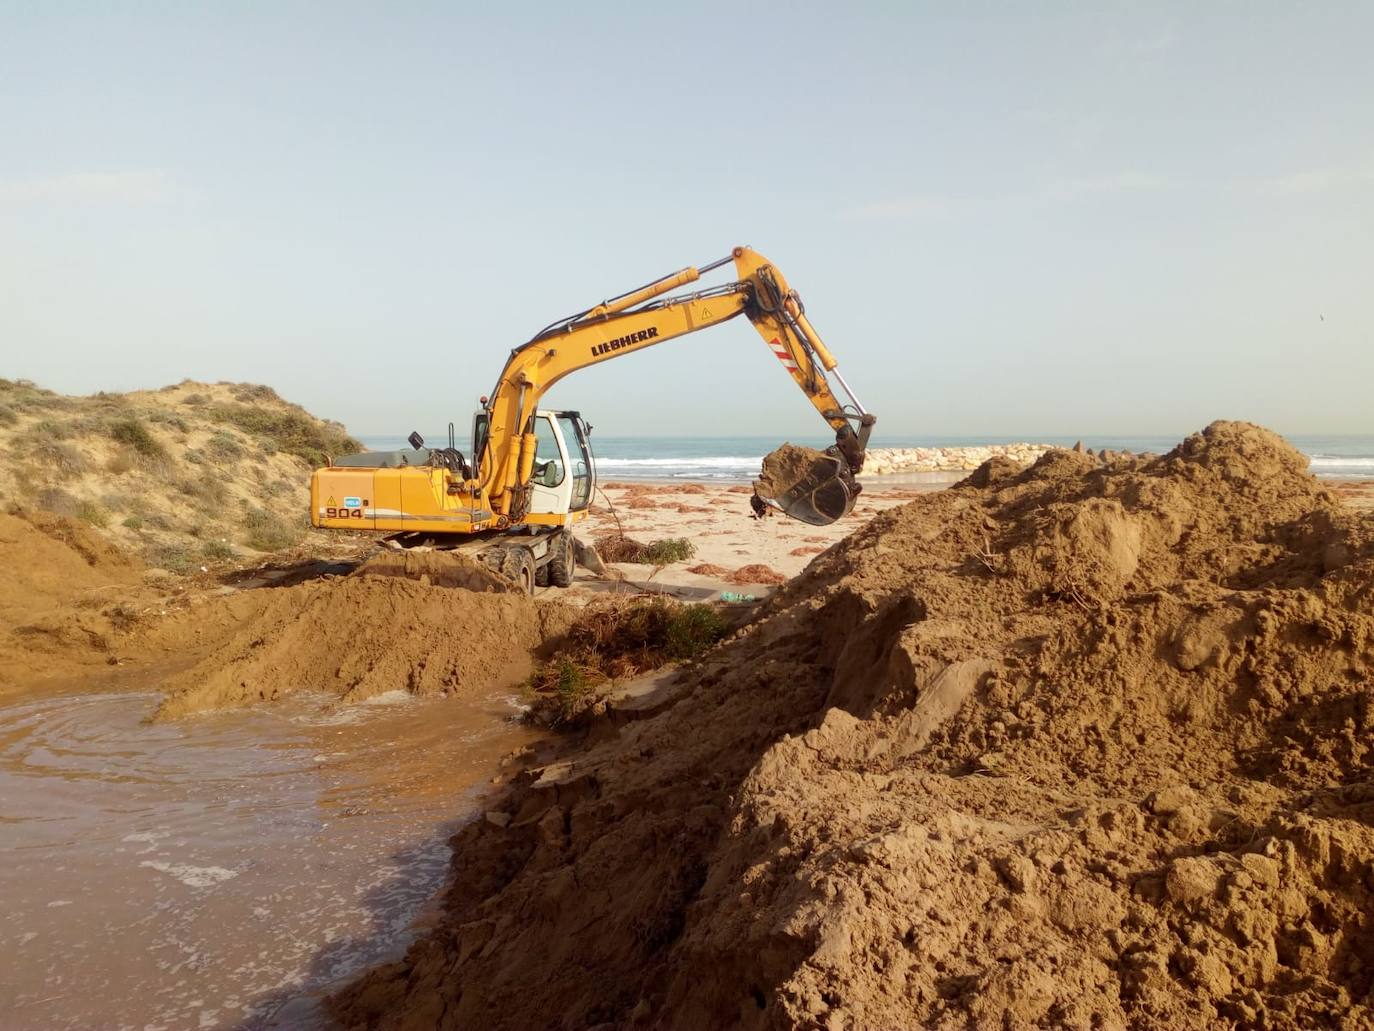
<point x="821" y="493"/>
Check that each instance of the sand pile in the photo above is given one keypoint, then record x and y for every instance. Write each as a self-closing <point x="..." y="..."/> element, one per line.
<point x="51" y="560"/>
<point x="64" y="595"/>
<point x="786" y="466"/>
<point x="440" y="568"/>
<point x="1086" y="745"/>
<point x="358" y="637"/>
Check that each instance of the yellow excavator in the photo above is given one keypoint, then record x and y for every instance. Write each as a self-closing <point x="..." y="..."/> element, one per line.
<point x="531" y="474"/>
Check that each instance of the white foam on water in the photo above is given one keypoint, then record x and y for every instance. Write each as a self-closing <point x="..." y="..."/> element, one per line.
<point x="397" y="697"/>
<point x="1344" y="465"/>
<point x="193" y="876"/>
<point x="704" y="462"/>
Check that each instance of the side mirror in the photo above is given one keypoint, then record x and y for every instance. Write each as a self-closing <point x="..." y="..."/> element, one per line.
<point x="416" y="441"/>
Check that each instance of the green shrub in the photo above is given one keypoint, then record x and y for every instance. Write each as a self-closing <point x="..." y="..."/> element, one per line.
<point x="668" y="551"/>
<point x="93" y="513"/>
<point x="251" y="392"/>
<point x="294" y="431"/>
<point x="217" y="550"/>
<point x="265" y="531"/>
<point x="612" y="642"/>
<point x="136" y="435"/>
<point x="8" y="416"/>
<point x="195" y="399"/>
<point x="133" y="522"/>
<point x="619" y="548"/>
<point x="59" y="501"/>
<point x="692" y="629"/>
<point x="24" y="396"/>
<point x="122" y="616"/>
<point x="193" y="456"/>
<point x="223" y="448"/>
<point x="172" y="557"/>
<point x="49" y="429"/>
<point x="168" y="419"/>
<point x="62" y="459"/>
<point x="570" y="691"/>
<point x="206" y="489"/>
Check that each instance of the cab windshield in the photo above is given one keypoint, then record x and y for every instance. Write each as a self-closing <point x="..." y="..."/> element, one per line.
<point x="579" y="457"/>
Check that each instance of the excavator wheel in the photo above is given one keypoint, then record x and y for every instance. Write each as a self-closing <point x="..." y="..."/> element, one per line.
<point x="563" y="563"/>
<point x="517" y="566"/>
<point x="541" y="576"/>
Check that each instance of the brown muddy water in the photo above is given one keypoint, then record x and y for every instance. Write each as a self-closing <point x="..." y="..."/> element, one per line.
<point x="223" y="870"/>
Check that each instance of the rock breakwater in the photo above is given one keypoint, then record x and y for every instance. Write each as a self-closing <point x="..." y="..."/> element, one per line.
<point x="884" y="461"/>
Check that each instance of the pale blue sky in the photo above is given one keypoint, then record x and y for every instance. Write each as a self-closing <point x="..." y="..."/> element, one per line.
<point x="1004" y="218"/>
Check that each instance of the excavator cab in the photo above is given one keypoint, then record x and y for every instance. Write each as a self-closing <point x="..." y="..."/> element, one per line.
<point x="563" y="475"/>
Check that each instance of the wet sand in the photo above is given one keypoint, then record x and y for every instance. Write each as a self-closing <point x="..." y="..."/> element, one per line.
<point x="1358" y="494"/>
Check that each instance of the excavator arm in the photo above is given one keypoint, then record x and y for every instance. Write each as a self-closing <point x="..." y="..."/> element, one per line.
<point x="642" y="318"/>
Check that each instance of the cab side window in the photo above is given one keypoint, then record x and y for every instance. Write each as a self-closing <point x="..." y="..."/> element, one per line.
<point x="548" y="463"/>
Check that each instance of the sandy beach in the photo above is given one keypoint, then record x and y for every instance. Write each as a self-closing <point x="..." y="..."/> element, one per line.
<point x="721" y="528"/>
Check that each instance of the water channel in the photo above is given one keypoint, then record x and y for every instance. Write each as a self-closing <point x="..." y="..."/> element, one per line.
<point x="222" y="870"/>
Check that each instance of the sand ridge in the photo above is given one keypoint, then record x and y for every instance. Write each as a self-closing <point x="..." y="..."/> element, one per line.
<point x="1080" y="745"/>
<point x="428" y="623"/>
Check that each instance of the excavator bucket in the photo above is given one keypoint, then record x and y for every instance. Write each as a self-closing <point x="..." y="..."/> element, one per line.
<point x="813" y="487"/>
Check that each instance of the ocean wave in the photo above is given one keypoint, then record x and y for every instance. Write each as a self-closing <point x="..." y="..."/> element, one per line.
<point x="1342" y="461"/>
<point x="704" y="462"/>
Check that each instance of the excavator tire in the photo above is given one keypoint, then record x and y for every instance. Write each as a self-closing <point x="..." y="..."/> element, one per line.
<point x="541" y="576"/>
<point x="517" y="565"/>
<point x="563" y="563"/>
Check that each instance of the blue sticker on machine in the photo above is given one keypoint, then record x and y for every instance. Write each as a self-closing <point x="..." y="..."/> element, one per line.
<point x="353" y="502"/>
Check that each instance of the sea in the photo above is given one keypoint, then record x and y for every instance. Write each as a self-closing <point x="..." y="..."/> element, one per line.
<point x="737" y="459"/>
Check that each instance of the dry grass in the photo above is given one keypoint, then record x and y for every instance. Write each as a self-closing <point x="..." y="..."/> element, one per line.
<point x="164" y="472"/>
<point x="266" y="531"/>
<point x="617" y="547"/>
